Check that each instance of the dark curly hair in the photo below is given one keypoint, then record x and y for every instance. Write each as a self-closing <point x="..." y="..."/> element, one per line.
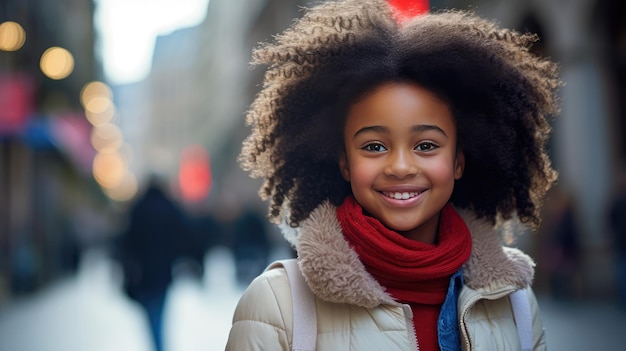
<point x="499" y="93"/>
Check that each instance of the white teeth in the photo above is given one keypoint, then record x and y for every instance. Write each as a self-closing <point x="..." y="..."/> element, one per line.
<point x="401" y="196"/>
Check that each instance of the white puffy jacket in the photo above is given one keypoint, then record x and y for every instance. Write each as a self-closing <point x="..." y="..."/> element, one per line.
<point x="355" y="313"/>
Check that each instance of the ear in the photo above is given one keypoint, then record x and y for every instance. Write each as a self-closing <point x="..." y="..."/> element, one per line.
<point x="343" y="167"/>
<point x="459" y="164"/>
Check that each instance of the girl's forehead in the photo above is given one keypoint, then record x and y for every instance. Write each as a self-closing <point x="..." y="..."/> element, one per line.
<point x="399" y="103"/>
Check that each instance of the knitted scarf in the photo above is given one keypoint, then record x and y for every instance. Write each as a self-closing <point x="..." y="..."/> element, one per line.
<point x="412" y="272"/>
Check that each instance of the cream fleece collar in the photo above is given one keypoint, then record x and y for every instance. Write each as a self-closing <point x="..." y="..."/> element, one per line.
<point x="335" y="274"/>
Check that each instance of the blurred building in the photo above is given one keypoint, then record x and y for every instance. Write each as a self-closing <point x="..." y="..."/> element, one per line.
<point x="45" y="156"/>
<point x="198" y="91"/>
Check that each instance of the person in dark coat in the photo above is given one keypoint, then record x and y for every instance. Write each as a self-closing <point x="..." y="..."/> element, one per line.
<point x="152" y="243"/>
<point x="251" y="245"/>
<point x="617" y="224"/>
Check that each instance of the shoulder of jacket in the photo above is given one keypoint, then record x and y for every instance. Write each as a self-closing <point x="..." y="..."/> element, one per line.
<point x="267" y="299"/>
<point x="492" y="265"/>
<point x="262" y="318"/>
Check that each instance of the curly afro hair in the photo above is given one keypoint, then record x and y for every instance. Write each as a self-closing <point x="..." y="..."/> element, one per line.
<point x="499" y="93"/>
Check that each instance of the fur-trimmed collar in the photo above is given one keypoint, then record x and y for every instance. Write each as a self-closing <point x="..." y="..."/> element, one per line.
<point x="335" y="274"/>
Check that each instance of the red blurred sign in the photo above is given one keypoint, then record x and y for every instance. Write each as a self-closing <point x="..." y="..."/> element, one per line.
<point x="194" y="175"/>
<point x="407" y="9"/>
<point x="16" y="102"/>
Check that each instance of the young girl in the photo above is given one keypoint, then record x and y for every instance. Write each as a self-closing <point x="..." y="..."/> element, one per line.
<point x="395" y="149"/>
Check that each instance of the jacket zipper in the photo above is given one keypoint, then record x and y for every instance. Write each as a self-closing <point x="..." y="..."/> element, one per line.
<point x="470" y="303"/>
<point x="408" y="316"/>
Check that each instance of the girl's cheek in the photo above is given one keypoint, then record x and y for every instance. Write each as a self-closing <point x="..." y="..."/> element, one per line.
<point x="441" y="168"/>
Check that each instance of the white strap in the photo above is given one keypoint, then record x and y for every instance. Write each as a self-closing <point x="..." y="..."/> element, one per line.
<point x="521" y="312"/>
<point x="304" y="310"/>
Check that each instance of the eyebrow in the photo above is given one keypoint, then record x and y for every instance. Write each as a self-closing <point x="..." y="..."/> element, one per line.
<point x="427" y="127"/>
<point x="416" y="128"/>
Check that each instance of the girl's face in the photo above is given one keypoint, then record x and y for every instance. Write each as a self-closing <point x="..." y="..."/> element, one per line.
<point x="401" y="157"/>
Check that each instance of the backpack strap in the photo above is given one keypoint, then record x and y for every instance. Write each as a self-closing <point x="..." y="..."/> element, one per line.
<point x="304" y="316"/>
<point x="522" y="315"/>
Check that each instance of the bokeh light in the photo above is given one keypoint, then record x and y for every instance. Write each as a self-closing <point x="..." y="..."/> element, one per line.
<point x="109" y="169"/>
<point x="195" y="173"/>
<point x="57" y="63"/>
<point x="99" y="110"/>
<point x="12" y="36"/>
<point x="94" y="89"/>
<point x="125" y="190"/>
<point x="106" y="137"/>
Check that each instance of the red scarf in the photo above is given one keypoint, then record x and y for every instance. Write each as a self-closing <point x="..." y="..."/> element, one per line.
<point x="412" y="272"/>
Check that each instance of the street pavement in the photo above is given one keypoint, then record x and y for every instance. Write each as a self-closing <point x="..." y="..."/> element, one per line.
<point x="583" y="325"/>
<point x="89" y="312"/>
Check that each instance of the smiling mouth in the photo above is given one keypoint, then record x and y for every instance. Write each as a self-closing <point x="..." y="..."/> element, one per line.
<point x="401" y="195"/>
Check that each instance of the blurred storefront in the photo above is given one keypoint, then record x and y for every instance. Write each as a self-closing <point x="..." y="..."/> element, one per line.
<point x="46" y="57"/>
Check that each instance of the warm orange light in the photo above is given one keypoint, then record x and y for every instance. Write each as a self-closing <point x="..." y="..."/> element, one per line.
<point x="126" y="190"/>
<point x="99" y="110"/>
<point x="106" y="136"/>
<point x="12" y="36"/>
<point x="56" y="63"/>
<point x="94" y="89"/>
<point x="109" y="169"/>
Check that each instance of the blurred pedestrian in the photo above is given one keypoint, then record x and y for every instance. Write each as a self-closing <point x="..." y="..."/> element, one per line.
<point x="560" y="246"/>
<point x="207" y="232"/>
<point x="617" y="223"/>
<point x="154" y="240"/>
<point x="251" y="245"/>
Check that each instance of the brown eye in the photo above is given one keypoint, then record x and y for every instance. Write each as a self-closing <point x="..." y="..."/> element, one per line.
<point x="426" y="146"/>
<point x="374" y="147"/>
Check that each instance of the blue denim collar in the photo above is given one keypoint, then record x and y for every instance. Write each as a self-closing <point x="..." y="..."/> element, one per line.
<point x="448" y="323"/>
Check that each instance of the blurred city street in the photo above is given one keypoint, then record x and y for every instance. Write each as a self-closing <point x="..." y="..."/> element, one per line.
<point x="89" y="312"/>
<point x="101" y="100"/>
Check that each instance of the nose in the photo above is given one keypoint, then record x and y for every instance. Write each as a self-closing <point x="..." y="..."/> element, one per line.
<point x="401" y="164"/>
